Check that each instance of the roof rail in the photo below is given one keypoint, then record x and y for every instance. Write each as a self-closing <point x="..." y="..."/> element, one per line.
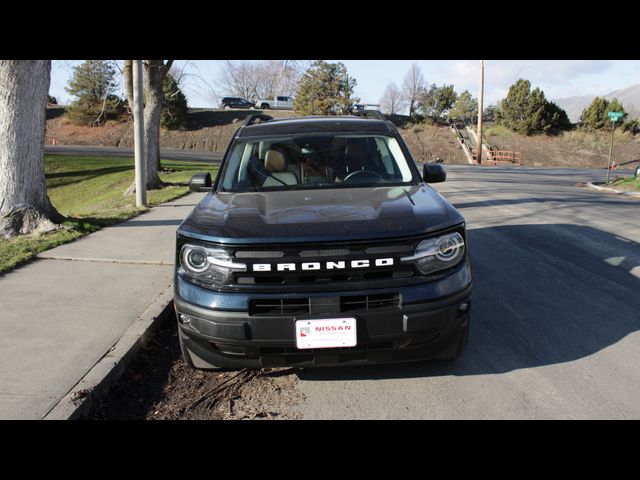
<point x="256" y="118"/>
<point x="370" y="113"/>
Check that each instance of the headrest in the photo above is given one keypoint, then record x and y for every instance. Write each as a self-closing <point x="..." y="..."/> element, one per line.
<point x="274" y="161"/>
<point x="356" y="150"/>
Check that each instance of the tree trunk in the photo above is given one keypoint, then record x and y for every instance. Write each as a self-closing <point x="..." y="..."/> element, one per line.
<point x="24" y="204"/>
<point x="154" y="73"/>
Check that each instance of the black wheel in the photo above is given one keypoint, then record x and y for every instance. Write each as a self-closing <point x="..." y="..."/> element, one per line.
<point x="265" y="106"/>
<point x="460" y="345"/>
<point x="227" y="107"/>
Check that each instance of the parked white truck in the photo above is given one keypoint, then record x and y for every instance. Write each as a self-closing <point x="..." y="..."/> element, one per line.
<point x="279" y="103"/>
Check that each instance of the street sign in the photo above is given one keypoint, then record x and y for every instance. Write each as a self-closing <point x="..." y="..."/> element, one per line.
<point x="615" y="116"/>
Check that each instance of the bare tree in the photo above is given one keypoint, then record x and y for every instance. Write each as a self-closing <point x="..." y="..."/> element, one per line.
<point x="24" y="204"/>
<point x="189" y="78"/>
<point x="392" y="100"/>
<point x="413" y="87"/>
<point x="263" y="79"/>
<point x="155" y="72"/>
<point x="238" y="79"/>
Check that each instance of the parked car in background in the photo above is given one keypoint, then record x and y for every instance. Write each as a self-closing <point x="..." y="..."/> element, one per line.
<point x="279" y="103"/>
<point x="236" y="102"/>
<point x="359" y="107"/>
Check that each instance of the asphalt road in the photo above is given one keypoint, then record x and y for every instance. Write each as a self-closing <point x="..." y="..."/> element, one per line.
<point x="555" y="312"/>
<point x="165" y="153"/>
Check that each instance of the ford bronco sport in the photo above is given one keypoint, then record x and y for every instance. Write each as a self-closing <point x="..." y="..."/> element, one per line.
<point x="319" y="243"/>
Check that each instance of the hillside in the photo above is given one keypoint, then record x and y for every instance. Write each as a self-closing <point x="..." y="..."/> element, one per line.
<point x="630" y="98"/>
<point x="207" y="130"/>
<point x="210" y="130"/>
<point x="570" y="149"/>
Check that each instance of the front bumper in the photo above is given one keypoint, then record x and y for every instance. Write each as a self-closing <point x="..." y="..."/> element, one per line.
<point x="414" y="330"/>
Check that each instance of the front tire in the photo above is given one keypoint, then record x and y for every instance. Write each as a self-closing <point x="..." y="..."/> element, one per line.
<point x="227" y="107"/>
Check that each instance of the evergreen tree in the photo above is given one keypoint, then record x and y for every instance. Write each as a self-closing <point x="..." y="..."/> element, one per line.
<point x="174" y="105"/>
<point x="489" y="113"/>
<point x="325" y="89"/>
<point x="93" y="84"/>
<point x="465" y="109"/>
<point x="437" y="101"/>
<point x="529" y="112"/>
<point x="555" y="119"/>
<point x="596" y="115"/>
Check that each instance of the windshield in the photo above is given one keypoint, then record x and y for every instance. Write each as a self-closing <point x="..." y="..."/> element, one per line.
<point x="318" y="161"/>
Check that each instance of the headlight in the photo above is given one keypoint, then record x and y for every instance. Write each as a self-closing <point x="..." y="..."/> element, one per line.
<point x="438" y="253"/>
<point x="208" y="265"/>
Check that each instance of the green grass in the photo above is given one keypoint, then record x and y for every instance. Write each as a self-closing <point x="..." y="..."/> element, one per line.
<point x="628" y="183"/>
<point x="497" y="130"/>
<point x="89" y="191"/>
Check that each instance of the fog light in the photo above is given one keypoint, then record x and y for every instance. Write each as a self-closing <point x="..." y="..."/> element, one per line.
<point x="463" y="307"/>
<point x="184" y="319"/>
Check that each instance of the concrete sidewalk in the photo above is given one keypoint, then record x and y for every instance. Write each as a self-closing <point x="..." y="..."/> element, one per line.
<point x="64" y="313"/>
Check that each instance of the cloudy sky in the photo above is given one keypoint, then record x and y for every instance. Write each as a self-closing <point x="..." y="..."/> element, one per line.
<point x="557" y="78"/>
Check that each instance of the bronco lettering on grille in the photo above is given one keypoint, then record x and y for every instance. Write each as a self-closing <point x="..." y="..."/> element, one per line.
<point x="310" y="266"/>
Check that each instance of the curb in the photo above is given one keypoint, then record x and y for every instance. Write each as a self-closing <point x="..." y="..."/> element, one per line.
<point x="612" y="190"/>
<point x="107" y="371"/>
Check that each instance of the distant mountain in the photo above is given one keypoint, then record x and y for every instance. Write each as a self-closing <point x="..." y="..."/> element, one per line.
<point x="630" y="98"/>
<point x="574" y="105"/>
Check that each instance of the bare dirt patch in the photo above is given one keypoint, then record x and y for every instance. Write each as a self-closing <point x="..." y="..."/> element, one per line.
<point x="429" y="142"/>
<point x="206" y="130"/>
<point x="158" y="385"/>
<point x="576" y="149"/>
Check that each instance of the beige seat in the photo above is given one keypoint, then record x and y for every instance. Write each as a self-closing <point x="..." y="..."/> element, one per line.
<point x="276" y="165"/>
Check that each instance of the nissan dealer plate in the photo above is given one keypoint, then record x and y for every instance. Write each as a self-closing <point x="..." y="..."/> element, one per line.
<point x="326" y="333"/>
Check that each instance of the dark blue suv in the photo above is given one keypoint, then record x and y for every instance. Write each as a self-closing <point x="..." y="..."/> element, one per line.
<point x="321" y="243"/>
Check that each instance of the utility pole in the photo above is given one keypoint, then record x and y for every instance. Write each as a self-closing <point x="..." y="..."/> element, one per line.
<point x="138" y="135"/>
<point x="479" y="139"/>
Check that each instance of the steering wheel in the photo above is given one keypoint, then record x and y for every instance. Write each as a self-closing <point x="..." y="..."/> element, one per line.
<point x="362" y="176"/>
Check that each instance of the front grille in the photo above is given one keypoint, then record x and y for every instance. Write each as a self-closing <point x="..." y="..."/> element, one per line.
<point x="323" y="305"/>
<point x="369" y="302"/>
<point x="402" y="271"/>
<point x="321" y="255"/>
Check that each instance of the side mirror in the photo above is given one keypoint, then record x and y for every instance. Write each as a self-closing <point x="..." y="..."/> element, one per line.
<point x="200" y="182"/>
<point x="433" y="173"/>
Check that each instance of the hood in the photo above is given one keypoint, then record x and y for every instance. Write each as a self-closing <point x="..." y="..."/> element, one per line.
<point x="322" y="215"/>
